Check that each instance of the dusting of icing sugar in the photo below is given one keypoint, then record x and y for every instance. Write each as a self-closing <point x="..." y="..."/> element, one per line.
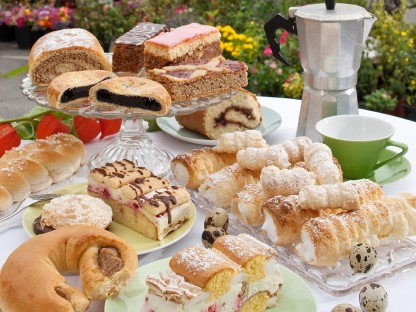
<point x="183" y="33"/>
<point x="65" y="38"/>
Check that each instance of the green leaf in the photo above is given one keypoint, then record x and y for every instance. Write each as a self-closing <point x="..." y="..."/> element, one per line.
<point x="25" y="130"/>
<point x="152" y="125"/>
<point x="16" y="72"/>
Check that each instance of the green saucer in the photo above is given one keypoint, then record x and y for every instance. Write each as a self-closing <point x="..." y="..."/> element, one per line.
<point x="391" y="172"/>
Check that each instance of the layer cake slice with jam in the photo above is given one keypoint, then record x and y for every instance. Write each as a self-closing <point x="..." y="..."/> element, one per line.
<point x="141" y="201"/>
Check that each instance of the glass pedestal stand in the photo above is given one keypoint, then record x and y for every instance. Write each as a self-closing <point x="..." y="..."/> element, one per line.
<point x="134" y="144"/>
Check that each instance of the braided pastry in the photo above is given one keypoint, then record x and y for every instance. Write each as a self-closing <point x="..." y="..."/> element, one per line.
<point x="31" y="279"/>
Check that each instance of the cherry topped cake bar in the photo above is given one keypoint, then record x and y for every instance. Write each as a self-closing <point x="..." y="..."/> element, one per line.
<point x="141" y="201"/>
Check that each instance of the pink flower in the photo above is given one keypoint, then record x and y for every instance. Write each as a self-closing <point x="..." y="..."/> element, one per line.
<point x="268" y="51"/>
<point x="273" y="65"/>
<point x="279" y="71"/>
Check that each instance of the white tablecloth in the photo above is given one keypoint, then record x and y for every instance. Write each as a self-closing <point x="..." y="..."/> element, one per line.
<point x="400" y="287"/>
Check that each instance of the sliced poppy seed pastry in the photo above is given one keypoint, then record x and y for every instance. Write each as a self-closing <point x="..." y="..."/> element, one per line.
<point x="71" y="88"/>
<point x="134" y="94"/>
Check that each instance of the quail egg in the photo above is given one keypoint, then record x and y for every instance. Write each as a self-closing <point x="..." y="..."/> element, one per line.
<point x="217" y="217"/>
<point x="210" y="234"/>
<point x="345" y="307"/>
<point x="363" y="257"/>
<point x="373" y="298"/>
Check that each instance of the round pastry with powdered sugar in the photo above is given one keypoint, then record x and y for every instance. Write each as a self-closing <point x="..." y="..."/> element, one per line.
<point x="71" y="210"/>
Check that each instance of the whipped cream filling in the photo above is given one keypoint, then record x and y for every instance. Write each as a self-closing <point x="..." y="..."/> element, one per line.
<point x="228" y="302"/>
<point x="269" y="228"/>
<point x="180" y="173"/>
<point x="306" y="248"/>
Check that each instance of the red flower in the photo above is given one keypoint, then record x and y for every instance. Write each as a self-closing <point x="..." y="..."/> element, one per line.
<point x="8" y="138"/>
<point x="86" y="128"/>
<point x="283" y="37"/>
<point x="109" y="127"/>
<point x="48" y="125"/>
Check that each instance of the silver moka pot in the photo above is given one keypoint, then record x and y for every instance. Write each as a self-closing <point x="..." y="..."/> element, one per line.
<point x="331" y="41"/>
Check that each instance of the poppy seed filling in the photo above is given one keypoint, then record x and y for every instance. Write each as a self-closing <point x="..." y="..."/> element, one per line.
<point x="128" y="101"/>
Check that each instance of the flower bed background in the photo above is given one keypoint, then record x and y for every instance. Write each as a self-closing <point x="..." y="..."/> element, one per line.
<point x="386" y="80"/>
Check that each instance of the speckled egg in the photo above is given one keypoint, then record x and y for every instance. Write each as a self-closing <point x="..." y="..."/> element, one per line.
<point x="345" y="307"/>
<point x="373" y="298"/>
<point x="210" y="234"/>
<point x="217" y="217"/>
<point x="363" y="258"/>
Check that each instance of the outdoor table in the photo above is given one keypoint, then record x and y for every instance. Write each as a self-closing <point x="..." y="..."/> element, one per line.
<point x="400" y="288"/>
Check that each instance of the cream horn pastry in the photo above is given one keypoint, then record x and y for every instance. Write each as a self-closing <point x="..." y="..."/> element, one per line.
<point x="318" y="158"/>
<point x="191" y="169"/>
<point x="326" y="239"/>
<point x="221" y="186"/>
<point x="284" y="182"/>
<point x="139" y="200"/>
<point x="235" y="141"/>
<point x="264" y="279"/>
<point x="199" y="279"/>
<point x="246" y="204"/>
<point x="283" y="219"/>
<point x="348" y="195"/>
<point x="295" y="148"/>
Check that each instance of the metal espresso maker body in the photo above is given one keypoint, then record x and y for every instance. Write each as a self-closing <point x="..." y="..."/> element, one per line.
<point x="331" y="41"/>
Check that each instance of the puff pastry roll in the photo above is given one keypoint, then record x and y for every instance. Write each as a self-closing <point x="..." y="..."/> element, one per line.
<point x="318" y="158"/>
<point x="347" y="195"/>
<point x="326" y="239"/>
<point x="246" y="205"/>
<point x="191" y="169"/>
<point x="296" y="147"/>
<point x="258" y="158"/>
<point x="235" y="141"/>
<point x="221" y="186"/>
<point x="283" y="219"/>
<point x="286" y="181"/>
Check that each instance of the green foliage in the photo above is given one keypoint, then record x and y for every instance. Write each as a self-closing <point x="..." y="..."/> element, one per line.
<point x="380" y="100"/>
<point x="108" y="21"/>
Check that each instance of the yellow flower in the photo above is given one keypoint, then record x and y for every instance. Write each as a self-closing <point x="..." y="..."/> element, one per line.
<point x="242" y="37"/>
<point x="235" y="53"/>
<point x="248" y="46"/>
<point x="249" y="39"/>
<point x="404" y="34"/>
<point x="26" y="12"/>
<point x="230" y="37"/>
<point x="228" y="49"/>
<point x="413" y="82"/>
<point x="219" y="27"/>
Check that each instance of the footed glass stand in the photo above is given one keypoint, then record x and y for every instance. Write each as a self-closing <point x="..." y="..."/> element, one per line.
<point x="132" y="142"/>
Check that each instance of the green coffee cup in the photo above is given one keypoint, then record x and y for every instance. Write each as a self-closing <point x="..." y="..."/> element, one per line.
<point x="358" y="142"/>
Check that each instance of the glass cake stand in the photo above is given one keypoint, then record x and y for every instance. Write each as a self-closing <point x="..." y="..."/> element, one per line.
<point x="132" y="142"/>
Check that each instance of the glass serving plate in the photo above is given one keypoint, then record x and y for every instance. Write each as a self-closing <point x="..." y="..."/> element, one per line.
<point x="132" y="142"/>
<point x="392" y="258"/>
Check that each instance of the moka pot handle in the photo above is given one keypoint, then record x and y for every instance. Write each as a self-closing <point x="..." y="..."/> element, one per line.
<point x="280" y="21"/>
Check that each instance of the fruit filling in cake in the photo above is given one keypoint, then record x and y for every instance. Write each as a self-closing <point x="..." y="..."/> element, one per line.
<point x="140" y="201"/>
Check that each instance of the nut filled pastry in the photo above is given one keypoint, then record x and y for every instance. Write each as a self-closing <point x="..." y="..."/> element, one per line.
<point x="140" y="201"/>
<point x="199" y="279"/>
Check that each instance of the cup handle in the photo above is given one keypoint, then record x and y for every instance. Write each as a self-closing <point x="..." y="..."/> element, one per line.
<point x="400" y="145"/>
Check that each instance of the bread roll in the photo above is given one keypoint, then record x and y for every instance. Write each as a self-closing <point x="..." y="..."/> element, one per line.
<point x="64" y="51"/>
<point x="31" y="280"/>
<point x="240" y="112"/>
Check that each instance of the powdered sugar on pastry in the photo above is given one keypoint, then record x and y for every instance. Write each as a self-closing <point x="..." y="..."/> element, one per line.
<point x="235" y="141"/>
<point x="76" y="209"/>
<point x="284" y="182"/>
<point x="318" y="158"/>
<point x="258" y="158"/>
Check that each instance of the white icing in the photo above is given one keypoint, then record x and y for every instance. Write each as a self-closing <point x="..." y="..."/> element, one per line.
<point x="269" y="227"/>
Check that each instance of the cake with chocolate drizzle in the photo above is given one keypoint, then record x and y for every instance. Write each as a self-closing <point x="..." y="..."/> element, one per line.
<point x="128" y="53"/>
<point x="141" y="201"/>
<point x="238" y="113"/>
<point x="201" y="78"/>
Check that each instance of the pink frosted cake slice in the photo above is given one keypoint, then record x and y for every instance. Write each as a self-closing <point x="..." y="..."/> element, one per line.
<point x="181" y="45"/>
